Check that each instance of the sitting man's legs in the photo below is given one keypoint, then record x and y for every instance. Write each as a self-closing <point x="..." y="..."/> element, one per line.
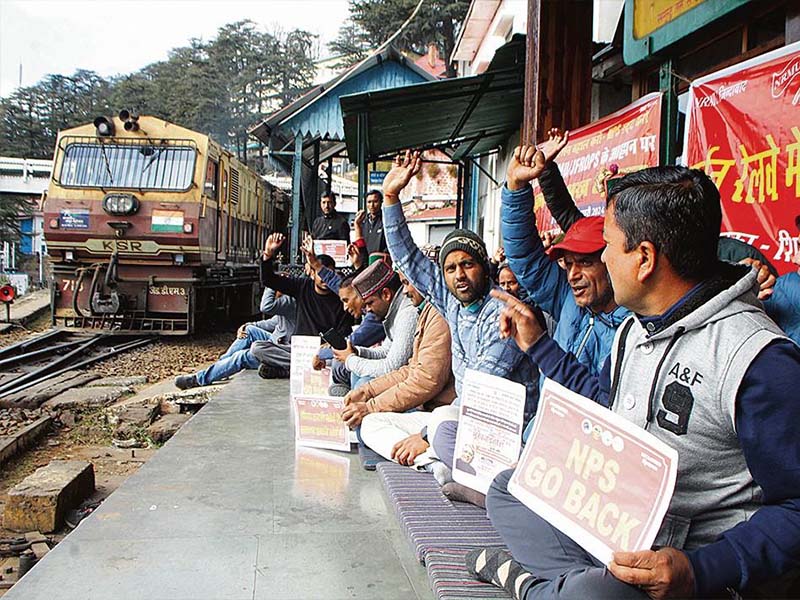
<point x="252" y="334"/>
<point x="442" y="431"/>
<point x="275" y="359"/>
<point x="546" y="563"/>
<point x="381" y="431"/>
<point x="224" y="367"/>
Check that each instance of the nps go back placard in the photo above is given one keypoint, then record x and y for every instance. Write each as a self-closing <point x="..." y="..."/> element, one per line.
<point x="597" y="477"/>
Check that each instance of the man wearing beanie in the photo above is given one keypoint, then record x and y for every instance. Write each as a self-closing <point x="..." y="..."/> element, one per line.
<point x="460" y="292"/>
<point x="379" y="287"/>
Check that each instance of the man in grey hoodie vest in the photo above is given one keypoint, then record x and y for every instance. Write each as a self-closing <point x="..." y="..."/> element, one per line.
<point x="701" y="367"/>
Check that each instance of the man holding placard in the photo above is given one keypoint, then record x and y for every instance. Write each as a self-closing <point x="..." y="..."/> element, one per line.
<point x="459" y="290"/>
<point x="701" y="368"/>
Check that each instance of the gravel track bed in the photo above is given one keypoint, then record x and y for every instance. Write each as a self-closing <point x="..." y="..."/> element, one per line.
<point x="167" y="357"/>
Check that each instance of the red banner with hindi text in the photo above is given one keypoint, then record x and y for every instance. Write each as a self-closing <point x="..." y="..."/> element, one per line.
<point x="628" y="138"/>
<point x="743" y="129"/>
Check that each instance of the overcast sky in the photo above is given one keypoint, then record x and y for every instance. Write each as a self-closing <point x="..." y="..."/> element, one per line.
<point x="122" y="36"/>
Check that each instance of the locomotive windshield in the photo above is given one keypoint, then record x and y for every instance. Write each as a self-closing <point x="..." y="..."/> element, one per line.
<point x="140" y="166"/>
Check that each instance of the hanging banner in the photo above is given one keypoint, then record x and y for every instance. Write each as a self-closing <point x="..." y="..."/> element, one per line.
<point x="628" y="138"/>
<point x="743" y="129"/>
<point x="594" y="475"/>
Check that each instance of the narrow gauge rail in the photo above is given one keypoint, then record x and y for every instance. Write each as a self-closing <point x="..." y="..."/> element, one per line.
<point x="35" y="360"/>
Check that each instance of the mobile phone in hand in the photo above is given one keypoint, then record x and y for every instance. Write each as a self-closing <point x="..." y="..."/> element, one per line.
<point x="335" y="339"/>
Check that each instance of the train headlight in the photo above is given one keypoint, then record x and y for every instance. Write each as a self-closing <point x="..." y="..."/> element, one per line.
<point x="120" y="204"/>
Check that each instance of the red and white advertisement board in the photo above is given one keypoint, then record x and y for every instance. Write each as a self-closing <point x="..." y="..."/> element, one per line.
<point x="743" y="129"/>
<point x="628" y="138"/>
<point x="594" y="475"/>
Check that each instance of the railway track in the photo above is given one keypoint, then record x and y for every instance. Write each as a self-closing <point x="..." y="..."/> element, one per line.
<point x="35" y="360"/>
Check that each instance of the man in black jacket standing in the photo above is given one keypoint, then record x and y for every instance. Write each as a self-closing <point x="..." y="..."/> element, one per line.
<point x="330" y="225"/>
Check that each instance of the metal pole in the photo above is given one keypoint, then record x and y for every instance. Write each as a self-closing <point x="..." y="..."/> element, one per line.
<point x="297" y="177"/>
<point x="362" y="161"/>
<point x="530" y="119"/>
<point x="669" y="114"/>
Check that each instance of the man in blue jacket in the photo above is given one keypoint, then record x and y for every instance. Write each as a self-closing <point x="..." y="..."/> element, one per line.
<point x="459" y="290"/>
<point x="701" y="367"/>
<point x="579" y="296"/>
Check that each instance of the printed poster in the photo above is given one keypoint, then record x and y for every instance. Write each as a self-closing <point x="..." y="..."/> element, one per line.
<point x="336" y="249"/>
<point x="318" y="422"/>
<point x="489" y="429"/>
<point x="303" y="379"/>
<point x="594" y="475"/>
<point x="743" y="129"/>
<point x="628" y="138"/>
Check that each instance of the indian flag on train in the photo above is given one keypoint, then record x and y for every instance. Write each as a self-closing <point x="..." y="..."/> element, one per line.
<point x="167" y="221"/>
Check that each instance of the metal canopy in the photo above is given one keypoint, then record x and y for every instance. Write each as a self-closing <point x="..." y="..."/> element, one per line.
<point x="471" y="115"/>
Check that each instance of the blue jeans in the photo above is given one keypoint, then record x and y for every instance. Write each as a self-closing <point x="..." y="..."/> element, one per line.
<point x="359" y="380"/>
<point x="253" y="334"/>
<point x="225" y="367"/>
<point x="236" y="358"/>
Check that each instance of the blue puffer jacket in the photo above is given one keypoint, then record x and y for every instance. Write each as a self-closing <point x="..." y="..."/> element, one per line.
<point x="783" y="306"/>
<point x="587" y="336"/>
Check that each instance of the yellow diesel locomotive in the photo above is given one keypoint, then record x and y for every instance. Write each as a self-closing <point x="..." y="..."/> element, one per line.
<point x="152" y="227"/>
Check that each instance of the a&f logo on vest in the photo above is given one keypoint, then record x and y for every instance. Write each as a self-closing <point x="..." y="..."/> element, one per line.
<point x="678" y="399"/>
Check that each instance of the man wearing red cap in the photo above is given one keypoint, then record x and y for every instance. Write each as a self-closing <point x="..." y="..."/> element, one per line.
<point x="579" y="296"/>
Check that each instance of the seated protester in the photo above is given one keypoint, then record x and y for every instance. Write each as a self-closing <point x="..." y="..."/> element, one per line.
<point x="386" y="404"/>
<point x="580" y="296"/>
<point x="718" y="374"/>
<point x="245" y="351"/>
<point x="379" y="287"/>
<point x="460" y="292"/>
<point x="369" y="332"/>
<point x="318" y="309"/>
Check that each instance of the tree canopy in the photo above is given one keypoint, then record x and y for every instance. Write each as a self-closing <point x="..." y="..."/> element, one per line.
<point x="372" y="22"/>
<point x="220" y="87"/>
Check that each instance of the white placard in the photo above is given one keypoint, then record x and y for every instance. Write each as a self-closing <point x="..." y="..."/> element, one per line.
<point x="489" y="429"/>
<point x="303" y="379"/>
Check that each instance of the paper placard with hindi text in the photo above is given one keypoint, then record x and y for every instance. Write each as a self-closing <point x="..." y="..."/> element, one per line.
<point x="303" y="379"/>
<point x="489" y="429"/>
<point x="318" y="422"/>
<point x="594" y="475"/>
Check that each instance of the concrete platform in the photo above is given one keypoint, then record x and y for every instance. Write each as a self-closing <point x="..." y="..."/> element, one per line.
<point x="25" y="309"/>
<point x="228" y="509"/>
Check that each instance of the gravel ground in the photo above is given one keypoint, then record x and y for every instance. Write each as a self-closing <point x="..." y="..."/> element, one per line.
<point x="167" y="357"/>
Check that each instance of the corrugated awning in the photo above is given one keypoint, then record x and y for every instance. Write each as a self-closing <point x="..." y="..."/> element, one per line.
<point x="471" y="115"/>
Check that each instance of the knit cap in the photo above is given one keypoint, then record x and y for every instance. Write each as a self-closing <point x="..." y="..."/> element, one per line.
<point x="466" y="240"/>
<point x="373" y="279"/>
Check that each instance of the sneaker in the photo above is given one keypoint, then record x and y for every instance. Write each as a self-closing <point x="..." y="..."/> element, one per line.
<point x="267" y="372"/>
<point x="184" y="382"/>
<point x="339" y="390"/>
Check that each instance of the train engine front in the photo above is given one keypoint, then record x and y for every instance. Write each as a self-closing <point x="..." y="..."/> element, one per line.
<point x="150" y="226"/>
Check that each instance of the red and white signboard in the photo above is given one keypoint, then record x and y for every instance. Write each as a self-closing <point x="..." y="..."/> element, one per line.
<point x="303" y="379"/>
<point x="628" y="138"/>
<point x="318" y="422"/>
<point x="594" y="475"/>
<point x="336" y="249"/>
<point x="743" y="129"/>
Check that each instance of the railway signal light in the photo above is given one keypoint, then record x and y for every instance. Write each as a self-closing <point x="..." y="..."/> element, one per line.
<point x="7" y="294"/>
<point x="104" y="126"/>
